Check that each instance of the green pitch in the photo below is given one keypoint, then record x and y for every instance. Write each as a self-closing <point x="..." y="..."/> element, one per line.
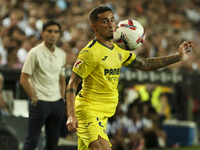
<point x="196" y="147"/>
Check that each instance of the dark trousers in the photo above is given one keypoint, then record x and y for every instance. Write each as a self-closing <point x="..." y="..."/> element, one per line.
<point x="49" y="114"/>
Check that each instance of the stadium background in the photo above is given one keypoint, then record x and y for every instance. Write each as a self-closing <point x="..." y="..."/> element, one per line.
<point x="167" y="23"/>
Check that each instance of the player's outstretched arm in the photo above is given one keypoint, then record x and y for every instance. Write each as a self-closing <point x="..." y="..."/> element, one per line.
<point x="159" y="62"/>
<point x="72" y="122"/>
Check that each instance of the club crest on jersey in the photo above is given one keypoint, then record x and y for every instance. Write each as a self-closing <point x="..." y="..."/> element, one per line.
<point x="77" y="63"/>
<point x="120" y="56"/>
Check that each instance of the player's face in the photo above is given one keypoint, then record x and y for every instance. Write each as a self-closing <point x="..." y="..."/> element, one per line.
<point x="105" y="25"/>
<point x="51" y="34"/>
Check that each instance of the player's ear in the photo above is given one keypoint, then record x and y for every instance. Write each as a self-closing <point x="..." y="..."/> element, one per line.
<point x="93" y="27"/>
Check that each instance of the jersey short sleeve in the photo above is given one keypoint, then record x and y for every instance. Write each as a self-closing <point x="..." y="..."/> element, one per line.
<point x="129" y="57"/>
<point x="85" y="63"/>
<point x="30" y="63"/>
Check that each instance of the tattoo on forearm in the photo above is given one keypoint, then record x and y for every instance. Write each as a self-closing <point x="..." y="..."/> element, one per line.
<point x="153" y="63"/>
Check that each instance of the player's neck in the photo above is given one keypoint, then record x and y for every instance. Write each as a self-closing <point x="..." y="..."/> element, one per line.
<point x="108" y="43"/>
<point x="51" y="47"/>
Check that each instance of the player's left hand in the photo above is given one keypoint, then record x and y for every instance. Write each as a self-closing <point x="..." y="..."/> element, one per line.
<point x="183" y="48"/>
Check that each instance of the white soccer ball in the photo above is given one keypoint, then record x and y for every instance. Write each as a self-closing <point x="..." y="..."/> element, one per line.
<point x="129" y="34"/>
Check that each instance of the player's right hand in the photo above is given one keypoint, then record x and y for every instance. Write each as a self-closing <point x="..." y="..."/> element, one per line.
<point x="34" y="101"/>
<point x="72" y="123"/>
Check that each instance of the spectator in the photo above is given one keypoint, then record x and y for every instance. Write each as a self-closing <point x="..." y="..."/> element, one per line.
<point x="137" y="125"/>
<point x="12" y="20"/>
<point x="23" y="51"/>
<point x="17" y="35"/>
<point x="31" y="29"/>
<point x="150" y="127"/>
<point x="6" y="40"/>
<point x="1" y="82"/>
<point x="4" y="111"/>
<point x="12" y="59"/>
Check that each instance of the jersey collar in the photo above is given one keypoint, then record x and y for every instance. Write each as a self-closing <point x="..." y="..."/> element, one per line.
<point x="111" y="48"/>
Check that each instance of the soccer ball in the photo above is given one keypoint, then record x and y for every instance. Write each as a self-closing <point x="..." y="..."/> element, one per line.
<point x="129" y="34"/>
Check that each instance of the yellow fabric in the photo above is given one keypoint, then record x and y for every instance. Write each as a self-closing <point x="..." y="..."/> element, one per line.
<point x="167" y="112"/>
<point x="165" y="89"/>
<point x="90" y="126"/>
<point x="99" y="66"/>
<point x="155" y="99"/>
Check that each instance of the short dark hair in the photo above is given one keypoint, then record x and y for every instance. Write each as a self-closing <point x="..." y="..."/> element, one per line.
<point x="49" y="23"/>
<point x="97" y="10"/>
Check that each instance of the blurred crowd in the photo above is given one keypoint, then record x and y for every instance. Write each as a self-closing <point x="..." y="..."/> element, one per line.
<point x="167" y="23"/>
<point x="138" y="123"/>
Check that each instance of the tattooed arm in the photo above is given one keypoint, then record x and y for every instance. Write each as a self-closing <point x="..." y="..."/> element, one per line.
<point x="159" y="62"/>
<point x="153" y="63"/>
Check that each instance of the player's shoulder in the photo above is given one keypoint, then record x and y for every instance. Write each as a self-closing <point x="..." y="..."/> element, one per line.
<point x="90" y="49"/>
<point x="92" y="44"/>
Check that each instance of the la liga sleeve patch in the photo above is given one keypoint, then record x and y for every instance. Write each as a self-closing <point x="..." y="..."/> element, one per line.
<point x="77" y="63"/>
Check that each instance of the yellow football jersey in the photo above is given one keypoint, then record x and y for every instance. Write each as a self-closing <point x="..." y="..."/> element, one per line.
<point x="99" y="66"/>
